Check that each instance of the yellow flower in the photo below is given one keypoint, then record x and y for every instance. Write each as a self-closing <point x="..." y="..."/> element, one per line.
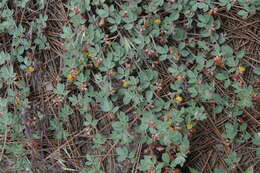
<point x="17" y="101"/>
<point x="31" y="69"/>
<point x="88" y="53"/>
<point x="17" y="83"/>
<point x="169" y="123"/>
<point x="109" y="43"/>
<point x="146" y="24"/>
<point x="178" y="98"/>
<point x="157" y="21"/>
<point x="189" y="126"/>
<point x="69" y="77"/>
<point x="125" y="84"/>
<point x="177" y="57"/>
<point x="180" y="77"/>
<point x="112" y="73"/>
<point x="241" y="69"/>
<point x="74" y="72"/>
<point x="253" y="94"/>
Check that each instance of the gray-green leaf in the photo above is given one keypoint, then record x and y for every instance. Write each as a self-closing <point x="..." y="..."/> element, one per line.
<point x="257" y="71"/>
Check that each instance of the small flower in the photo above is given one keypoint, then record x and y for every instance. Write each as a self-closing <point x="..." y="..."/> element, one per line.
<point x="109" y="43"/>
<point x="31" y="69"/>
<point x="253" y="94"/>
<point x="69" y="77"/>
<point x="240" y="120"/>
<point x="17" y="101"/>
<point x="156" y="136"/>
<point x="65" y="50"/>
<point x="77" y="11"/>
<point x="146" y="24"/>
<point x="112" y="73"/>
<point x="125" y="84"/>
<point x="142" y="29"/>
<point x="74" y="72"/>
<point x="177" y="57"/>
<point x="157" y="21"/>
<point x="189" y="126"/>
<point x="17" y="83"/>
<point x="178" y="98"/>
<point x="219" y="61"/>
<point x="213" y="11"/>
<point x="98" y="62"/>
<point x="30" y="56"/>
<point x="88" y="53"/>
<point x="152" y="53"/>
<point x="84" y="89"/>
<point x="169" y="123"/>
<point x="102" y="22"/>
<point x="241" y="69"/>
<point x="180" y="78"/>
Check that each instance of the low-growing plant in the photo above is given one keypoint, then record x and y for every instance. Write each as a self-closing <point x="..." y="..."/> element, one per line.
<point x="145" y="71"/>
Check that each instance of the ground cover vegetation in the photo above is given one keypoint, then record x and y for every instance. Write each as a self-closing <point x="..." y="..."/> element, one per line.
<point x="116" y="86"/>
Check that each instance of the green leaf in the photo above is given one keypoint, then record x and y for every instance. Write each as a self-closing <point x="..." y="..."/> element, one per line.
<point x="192" y="170"/>
<point x="180" y="160"/>
<point x="227" y="50"/>
<point x="162" y="50"/>
<point x="122" y="153"/>
<point x="257" y="71"/>
<point x="256" y="140"/>
<point x="66" y="111"/>
<point x="231" y="131"/>
<point x="149" y="95"/>
<point x="158" y="2"/>
<point x="87" y="120"/>
<point x="123" y="117"/>
<point x="128" y="26"/>
<point x="102" y="13"/>
<point x="185" y="53"/>
<point x="193" y="91"/>
<point x="106" y="105"/>
<point x="99" y="139"/>
<point x="22" y="3"/>
<point x="77" y="20"/>
<point x="258" y="151"/>
<point x="249" y="170"/>
<point x="4" y="57"/>
<point x="180" y="34"/>
<point x="115" y="109"/>
<point x="164" y="57"/>
<point x="243" y="13"/>
<point x="60" y="89"/>
<point x="216" y="170"/>
<point x="128" y="97"/>
<point x="111" y="20"/>
<point x="166" y="158"/>
<point x="146" y="163"/>
<point x="174" y="16"/>
<point x="221" y="76"/>
<point x="232" y="159"/>
<point x="240" y="54"/>
<point x="232" y="62"/>
<point x="7" y="73"/>
<point x="218" y="109"/>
